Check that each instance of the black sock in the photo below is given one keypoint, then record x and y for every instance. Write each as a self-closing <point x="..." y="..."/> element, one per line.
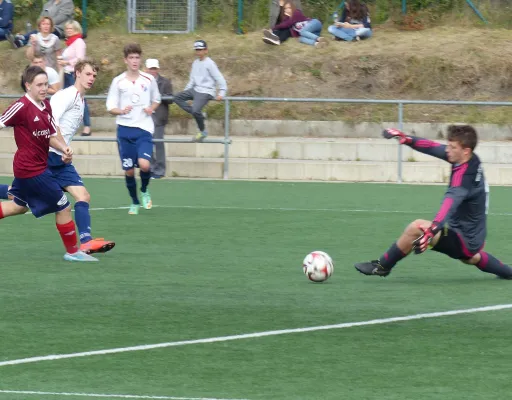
<point x="391" y="257"/>
<point x="131" y="184"/>
<point x="492" y="265"/>
<point x="144" y="179"/>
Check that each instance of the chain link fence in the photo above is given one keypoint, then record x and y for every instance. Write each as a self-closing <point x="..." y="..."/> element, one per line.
<point x="156" y="16"/>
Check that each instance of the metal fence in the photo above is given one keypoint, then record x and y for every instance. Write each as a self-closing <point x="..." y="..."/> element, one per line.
<point x="399" y="103"/>
<point x="157" y="16"/>
<point x="227" y="108"/>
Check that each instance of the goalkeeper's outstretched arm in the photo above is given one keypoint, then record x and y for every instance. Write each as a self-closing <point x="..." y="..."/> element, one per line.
<point x="425" y="146"/>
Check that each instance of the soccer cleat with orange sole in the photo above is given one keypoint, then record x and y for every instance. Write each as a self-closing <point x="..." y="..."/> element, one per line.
<point x="98" y="245"/>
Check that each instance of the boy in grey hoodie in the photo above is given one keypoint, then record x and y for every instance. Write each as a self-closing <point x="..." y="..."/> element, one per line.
<point x="202" y="87"/>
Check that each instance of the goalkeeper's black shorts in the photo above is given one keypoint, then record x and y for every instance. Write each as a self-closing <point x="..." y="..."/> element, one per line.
<point x="452" y="244"/>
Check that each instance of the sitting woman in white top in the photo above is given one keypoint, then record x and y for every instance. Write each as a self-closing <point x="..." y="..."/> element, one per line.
<point x="74" y="51"/>
<point x="354" y="23"/>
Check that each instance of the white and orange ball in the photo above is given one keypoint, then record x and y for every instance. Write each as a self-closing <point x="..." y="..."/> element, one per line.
<point x="318" y="266"/>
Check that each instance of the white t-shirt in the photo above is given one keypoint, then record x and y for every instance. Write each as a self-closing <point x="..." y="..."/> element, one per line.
<point x="68" y="112"/>
<point x="139" y="94"/>
<point x="53" y="76"/>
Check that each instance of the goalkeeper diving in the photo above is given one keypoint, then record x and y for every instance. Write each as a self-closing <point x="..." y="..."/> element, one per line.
<point x="459" y="228"/>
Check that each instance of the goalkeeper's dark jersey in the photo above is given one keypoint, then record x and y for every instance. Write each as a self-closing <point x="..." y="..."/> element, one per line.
<point x="464" y="207"/>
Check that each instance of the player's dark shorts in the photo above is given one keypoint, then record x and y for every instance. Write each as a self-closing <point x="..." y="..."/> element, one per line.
<point x="64" y="174"/>
<point x="133" y="143"/>
<point x="41" y="193"/>
<point x="452" y="244"/>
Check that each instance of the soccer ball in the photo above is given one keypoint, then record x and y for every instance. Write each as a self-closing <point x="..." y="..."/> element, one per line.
<point x="318" y="266"/>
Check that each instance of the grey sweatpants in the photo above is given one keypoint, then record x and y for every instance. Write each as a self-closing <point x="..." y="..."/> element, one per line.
<point x="158" y="159"/>
<point x="199" y="100"/>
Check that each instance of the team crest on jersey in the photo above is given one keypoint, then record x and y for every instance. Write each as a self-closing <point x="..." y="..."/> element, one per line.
<point x="144" y="87"/>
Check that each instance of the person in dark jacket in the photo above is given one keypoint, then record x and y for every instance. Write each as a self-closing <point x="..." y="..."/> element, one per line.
<point x="160" y="118"/>
<point x="6" y="18"/>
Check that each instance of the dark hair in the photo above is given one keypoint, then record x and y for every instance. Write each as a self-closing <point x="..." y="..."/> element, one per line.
<point x="132" y="48"/>
<point x="356" y="10"/>
<point x="80" y="65"/>
<point x="29" y="75"/>
<point x="464" y="134"/>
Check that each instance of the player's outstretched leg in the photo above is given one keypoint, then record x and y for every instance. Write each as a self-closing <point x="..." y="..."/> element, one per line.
<point x="486" y="262"/>
<point x="67" y="231"/>
<point x="10" y="208"/>
<point x="145" y="176"/>
<point x="398" y="250"/>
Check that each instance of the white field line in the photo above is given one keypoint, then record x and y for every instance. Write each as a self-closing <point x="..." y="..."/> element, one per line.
<point x="107" y="396"/>
<point x="292" y="209"/>
<point x="255" y="335"/>
<point x="340" y="210"/>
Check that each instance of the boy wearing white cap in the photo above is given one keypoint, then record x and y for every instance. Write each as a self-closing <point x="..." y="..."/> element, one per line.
<point x="202" y="87"/>
<point x="160" y="117"/>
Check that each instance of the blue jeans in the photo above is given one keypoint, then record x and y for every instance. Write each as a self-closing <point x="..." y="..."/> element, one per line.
<point x="69" y="80"/>
<point x="349" y="34"/>
<point x="364" y="33"/>
<point x="4" y="33"/>
<point x="310" y="32"/>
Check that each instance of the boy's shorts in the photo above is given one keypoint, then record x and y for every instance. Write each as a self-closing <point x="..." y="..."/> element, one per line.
<point x="133" y="143"/>
<point x="452" y="244"/>
<point x="41" y="193"/>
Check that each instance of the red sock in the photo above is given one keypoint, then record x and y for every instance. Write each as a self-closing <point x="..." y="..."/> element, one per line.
<point x="68" y="235"/>
<point x="1" y="212"/>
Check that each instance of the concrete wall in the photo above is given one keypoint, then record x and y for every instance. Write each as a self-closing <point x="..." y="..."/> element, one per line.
<point x="325" y="129"/>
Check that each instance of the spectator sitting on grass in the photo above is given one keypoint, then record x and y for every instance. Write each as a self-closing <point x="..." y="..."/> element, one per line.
<point x="59" y="11"/>
<point x="306" y="29"/>
<point x="354" y="23"/>
<point x="277" y="36"/>
<point x="45" y="43"/>
<point x="6" y="18"/>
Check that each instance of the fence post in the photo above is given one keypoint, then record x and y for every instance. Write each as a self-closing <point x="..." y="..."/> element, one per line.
<point x="240" y="30"/>
<point x="400" y="127"/>
<point x="226" y="139"/>
<point x="84" y="17"/>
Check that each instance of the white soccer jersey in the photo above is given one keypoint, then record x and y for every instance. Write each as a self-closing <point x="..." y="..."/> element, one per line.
<point x="68" y="112"/>
<point x="139" y="94"/>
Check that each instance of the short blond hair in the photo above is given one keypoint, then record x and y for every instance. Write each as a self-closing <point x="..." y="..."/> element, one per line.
<point x="76" y="26"/>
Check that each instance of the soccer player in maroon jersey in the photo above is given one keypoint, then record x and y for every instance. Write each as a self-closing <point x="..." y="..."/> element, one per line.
<point x="34" y="186"/>
<point x="460" y="227"/>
